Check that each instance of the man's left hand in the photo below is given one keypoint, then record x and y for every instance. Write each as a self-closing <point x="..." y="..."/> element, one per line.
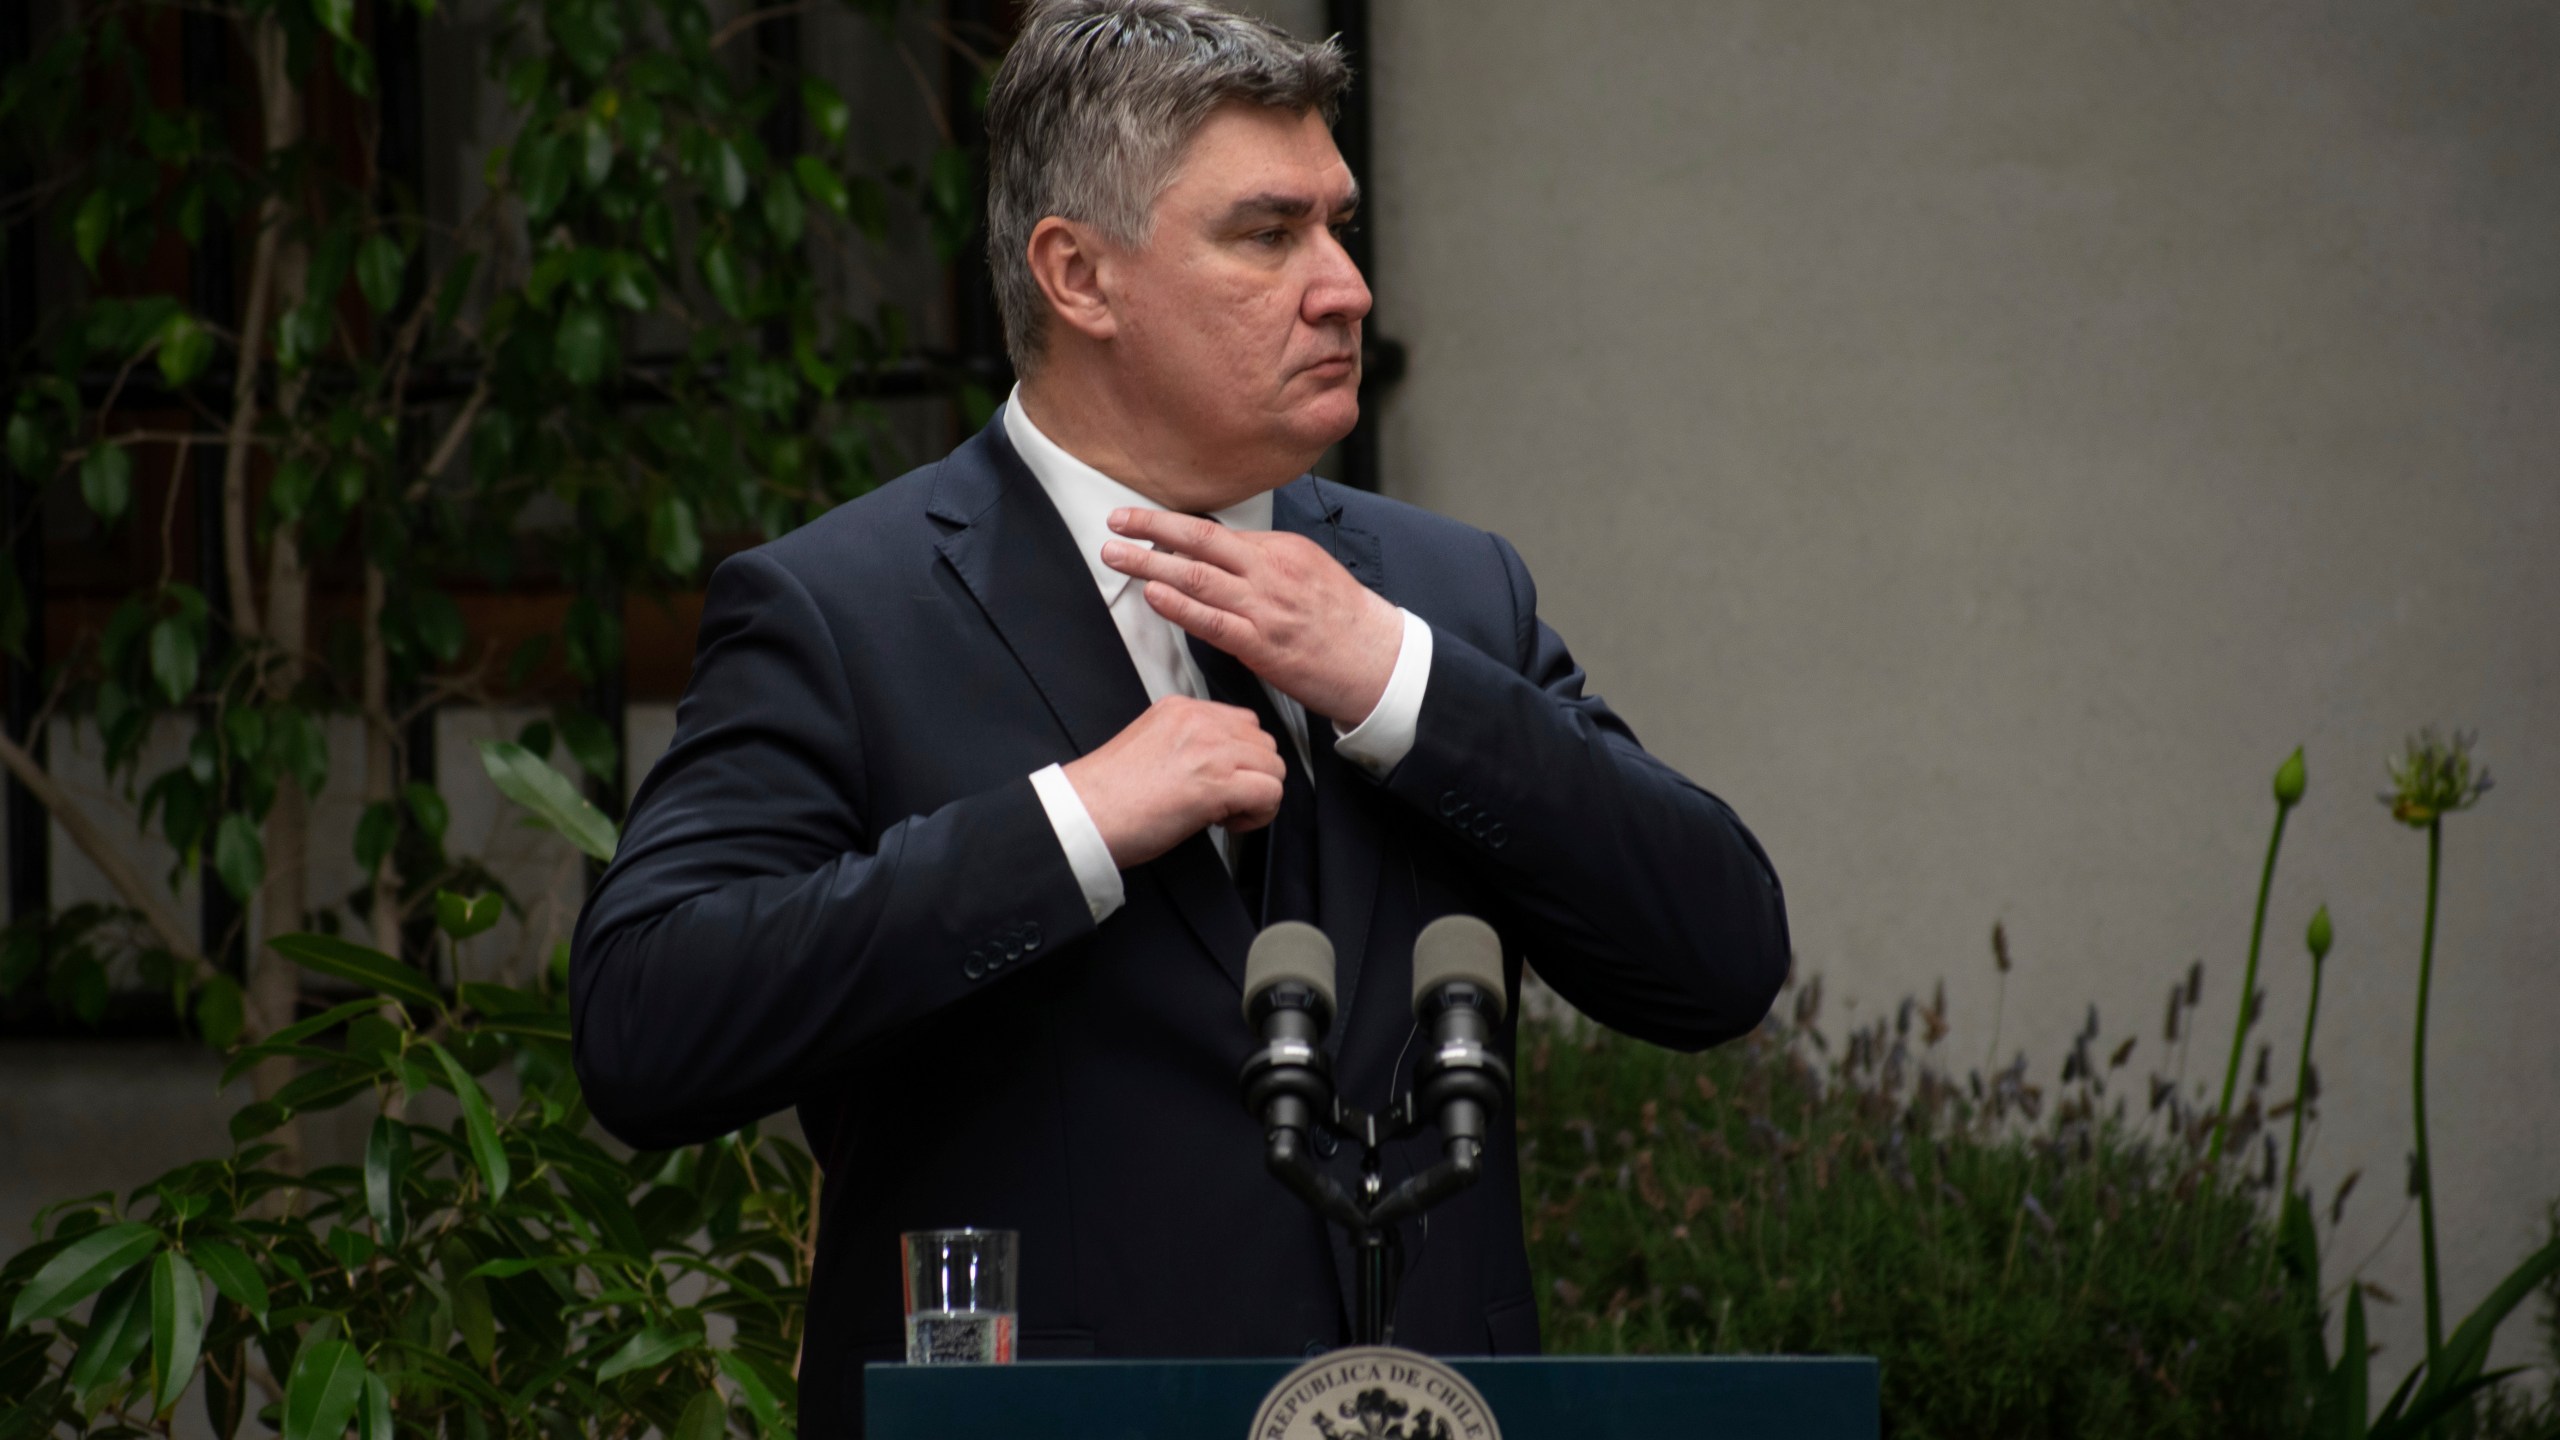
<point x="1274" y="600"/>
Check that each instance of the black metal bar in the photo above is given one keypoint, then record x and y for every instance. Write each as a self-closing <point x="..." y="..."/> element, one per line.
<point x="400" y="161"/>
<point x="977" y="331"/>
<point x="29" y="832"/>
<point x="204" y="46"/>
<point x="1382" y="359"/>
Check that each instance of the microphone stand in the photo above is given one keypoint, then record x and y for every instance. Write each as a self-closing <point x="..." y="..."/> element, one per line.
<point x="1463" y="1082"/>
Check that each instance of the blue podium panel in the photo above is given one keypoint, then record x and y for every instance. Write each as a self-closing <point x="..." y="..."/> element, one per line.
<point x="1583" y="1398"/>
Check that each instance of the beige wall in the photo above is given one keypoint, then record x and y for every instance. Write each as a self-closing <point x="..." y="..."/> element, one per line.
<point x="1981" y="440"/>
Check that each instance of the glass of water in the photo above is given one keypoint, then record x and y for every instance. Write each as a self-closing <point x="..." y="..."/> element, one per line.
<point x="960" y="1296"/>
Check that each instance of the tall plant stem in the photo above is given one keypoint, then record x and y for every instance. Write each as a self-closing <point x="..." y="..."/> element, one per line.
<point x="2248" y="987"/>
<point x="2302" y="1079"/>
<point x="2418" y="1089"/>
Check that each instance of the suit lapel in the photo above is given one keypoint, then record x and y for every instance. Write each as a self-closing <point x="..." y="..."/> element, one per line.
<point x="1349" y="854"/>
<point x="1013" y="552"/>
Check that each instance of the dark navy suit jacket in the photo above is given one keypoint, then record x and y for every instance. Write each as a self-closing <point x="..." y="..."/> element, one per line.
<point x="838" y="890"/>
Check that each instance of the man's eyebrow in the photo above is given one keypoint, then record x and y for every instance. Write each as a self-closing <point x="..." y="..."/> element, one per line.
<point x="1276" y="206"/>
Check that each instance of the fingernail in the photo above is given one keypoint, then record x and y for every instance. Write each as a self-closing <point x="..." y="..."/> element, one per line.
<point x="1119" y="519"/>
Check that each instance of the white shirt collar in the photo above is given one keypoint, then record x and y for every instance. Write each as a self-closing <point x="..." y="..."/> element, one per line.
<point x="1085" y="497"/>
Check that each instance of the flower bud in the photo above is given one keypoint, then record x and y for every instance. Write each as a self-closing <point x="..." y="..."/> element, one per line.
<point x="2320" y="936"/>
<point x="2289" y="779"/>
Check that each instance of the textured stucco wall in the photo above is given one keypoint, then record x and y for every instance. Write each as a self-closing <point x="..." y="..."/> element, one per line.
<point x="1981" y="440"/>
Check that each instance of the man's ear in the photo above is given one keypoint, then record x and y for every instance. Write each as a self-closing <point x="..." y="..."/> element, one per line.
<point x="1070" y="264"/>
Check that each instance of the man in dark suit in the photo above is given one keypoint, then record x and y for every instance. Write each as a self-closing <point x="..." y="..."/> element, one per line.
<point x="984" y="781"/>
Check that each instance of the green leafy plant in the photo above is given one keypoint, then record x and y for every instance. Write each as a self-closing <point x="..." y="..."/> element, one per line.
<point x="488" y="1268"/>
<point x="2289" y="784"/>
<point x="2430" y="779"/>
<point x="618" y="364"/>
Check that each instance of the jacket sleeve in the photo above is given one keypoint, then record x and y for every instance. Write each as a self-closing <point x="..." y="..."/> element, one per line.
<point x="1646" y="902"/>
<point x="754" y="932"/>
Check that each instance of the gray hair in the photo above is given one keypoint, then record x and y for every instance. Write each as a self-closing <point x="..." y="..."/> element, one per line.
<point x="1090" y="113"/>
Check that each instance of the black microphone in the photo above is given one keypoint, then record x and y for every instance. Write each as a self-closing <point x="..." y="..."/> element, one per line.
<point x="1458" y="996"/>
<point x="1288" y="1000"/>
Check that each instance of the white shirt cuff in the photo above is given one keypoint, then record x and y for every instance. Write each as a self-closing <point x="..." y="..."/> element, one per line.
<point x="1379" y="743"/>
<point x="1087" y="855"/>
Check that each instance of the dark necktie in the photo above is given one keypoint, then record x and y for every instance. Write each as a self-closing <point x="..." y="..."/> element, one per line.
<point x="1275" y="867"/>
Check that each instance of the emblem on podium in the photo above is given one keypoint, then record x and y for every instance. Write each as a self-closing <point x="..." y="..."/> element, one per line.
<point x="1374" y="1392"/>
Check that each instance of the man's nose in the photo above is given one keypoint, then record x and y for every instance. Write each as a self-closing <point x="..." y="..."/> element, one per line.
<point x="1337" y="294"/>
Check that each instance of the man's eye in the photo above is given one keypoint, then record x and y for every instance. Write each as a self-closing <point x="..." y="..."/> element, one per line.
<point x="1345" y="229"/>
<point x="1269" y="238"/>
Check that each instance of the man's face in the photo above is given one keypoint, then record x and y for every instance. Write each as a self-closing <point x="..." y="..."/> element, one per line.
<point x="1240" y="317"/>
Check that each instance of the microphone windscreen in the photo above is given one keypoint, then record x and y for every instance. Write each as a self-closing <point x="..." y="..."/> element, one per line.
<point x="1290" y="950"/>
<point x="1458" y="947"/>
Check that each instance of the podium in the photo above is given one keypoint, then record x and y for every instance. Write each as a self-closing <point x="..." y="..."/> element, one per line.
<point x="1585" y="1398"/>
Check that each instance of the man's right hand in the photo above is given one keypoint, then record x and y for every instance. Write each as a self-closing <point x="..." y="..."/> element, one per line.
<point x="1179" y="768"/>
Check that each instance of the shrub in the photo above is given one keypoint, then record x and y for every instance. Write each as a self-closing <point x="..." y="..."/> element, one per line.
<point x="2018" y="1268"/>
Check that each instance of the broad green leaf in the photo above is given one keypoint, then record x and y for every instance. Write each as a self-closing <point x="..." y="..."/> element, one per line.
<point x="235" y="1275"/>
<point x="379" y="263"/>
<point x="536" y="1027"/>
<point x="386" y="1177"/>
<point x="720" y="272"/>
<point x="366" y="966"/>
<point x="728" y="175"/>
<point x="338" y="17"/>
<point x="783" y="214"/>
<point x="2466" y="1350"/>
<point x="177" y="1328"/>
<point x="320" y="1397"/>
<point x="509" y="1269"/>
<point x="463" y="918"/>
<point x="595" y="152"/>
<point x="821" y="182"/>
<point x="300" y="332"/>
<point x="478" y="1125"/>
<point x="472" y="1315"/>
<point x="589" y="739"/>
<point x="374" y="834"/>
<point x="300" y="744"/>
<point x="246" y="729"/>
<point x="239" y="856"/>
<point x="828" y="114"/>
<point x="373" y="1421"/>
<point x="761" y="1401"/>
<point x="705" y="1417"/>
<point x="549" y="795"/>
<point x="289" y="494"/>
<point x="219" y="1012"/>
<point x="89" y="227"/>
<point x="582" y="348"/>
<point x="186" y="347"/>
<point x="256" y="1118"/>
<point x="543" y="173"/>
<point x="119" y="1331"/>
<point x="647" y="1350"/>
<point x="174" y="658"/>
<point x="82" y="1269"/>
<point x="30" y="449"/>
<point x="673" y="534"/>
<point x="427" y="806"/>
<point x="438" y="622"/>
<point x="288" y="1041"/>
<point x="106" y="481"/>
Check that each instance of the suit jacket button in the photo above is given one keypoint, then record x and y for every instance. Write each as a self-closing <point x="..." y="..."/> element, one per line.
<point x="975" y="967"/>
<point x="1496" y="836"/>
<point x="1030" y="935"/>
<point x="1450" y="804"/>
<point x="1312" y="1349"/>
<point x="1326" y="1144"/>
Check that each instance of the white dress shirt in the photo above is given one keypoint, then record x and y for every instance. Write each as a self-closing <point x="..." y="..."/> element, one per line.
<point x="1160" y="650"/>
